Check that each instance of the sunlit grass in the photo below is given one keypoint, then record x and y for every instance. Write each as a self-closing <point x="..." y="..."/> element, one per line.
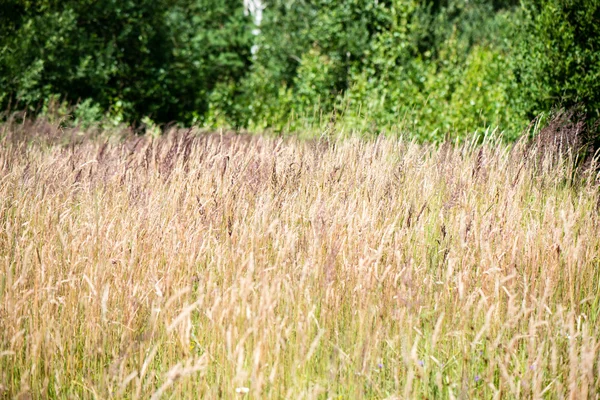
<point x="223" y="266"/>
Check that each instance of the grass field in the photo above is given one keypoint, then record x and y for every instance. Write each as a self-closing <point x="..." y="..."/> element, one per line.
<point x="225" y="266"/>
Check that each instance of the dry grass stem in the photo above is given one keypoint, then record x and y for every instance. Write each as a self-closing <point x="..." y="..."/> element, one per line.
<point x="222" y="266"/>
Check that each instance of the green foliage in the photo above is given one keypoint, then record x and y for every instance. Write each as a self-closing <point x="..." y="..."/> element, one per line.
<point x="159" y="58"/>
<point x="435" y="67"/>
<point x="87" y="113"/>
<point x="559" y="55"/>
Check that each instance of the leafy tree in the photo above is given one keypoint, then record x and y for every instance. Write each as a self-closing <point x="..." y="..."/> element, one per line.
<point x="558" y="55"/>
<point x="159" y="58"/>
<point x="389" y="59"/>
<point x="439" y="65"/>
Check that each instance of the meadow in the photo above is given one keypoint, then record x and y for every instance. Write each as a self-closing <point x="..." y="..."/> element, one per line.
<point x="222" y="265"/>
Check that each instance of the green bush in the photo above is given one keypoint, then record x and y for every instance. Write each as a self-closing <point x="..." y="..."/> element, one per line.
<point x="437" y="67"/>
<point x="433" y="67"/>
<point x="557" y="58"/>
<point x="158" y="58"/>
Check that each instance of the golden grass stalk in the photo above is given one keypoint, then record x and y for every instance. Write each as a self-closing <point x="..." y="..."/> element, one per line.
<point x="216" y="266"/>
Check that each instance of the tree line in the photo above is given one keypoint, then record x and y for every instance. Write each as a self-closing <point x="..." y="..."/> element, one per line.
<point x="438" y="67"/>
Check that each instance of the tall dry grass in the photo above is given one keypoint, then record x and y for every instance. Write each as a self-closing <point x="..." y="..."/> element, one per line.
<point x="213" y="265"/>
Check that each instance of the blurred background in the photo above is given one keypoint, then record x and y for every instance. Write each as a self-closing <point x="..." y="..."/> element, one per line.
<point x="436" y="69"/>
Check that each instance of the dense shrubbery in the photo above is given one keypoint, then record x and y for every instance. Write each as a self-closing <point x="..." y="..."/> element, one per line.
<point x="439" y="67"/>
<point x="558" y="55"/>
<point x="157" y="58"/>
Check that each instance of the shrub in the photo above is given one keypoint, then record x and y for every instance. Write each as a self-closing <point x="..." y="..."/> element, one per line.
<point x="558" y="55"/>
<point x="158" y="58"/>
